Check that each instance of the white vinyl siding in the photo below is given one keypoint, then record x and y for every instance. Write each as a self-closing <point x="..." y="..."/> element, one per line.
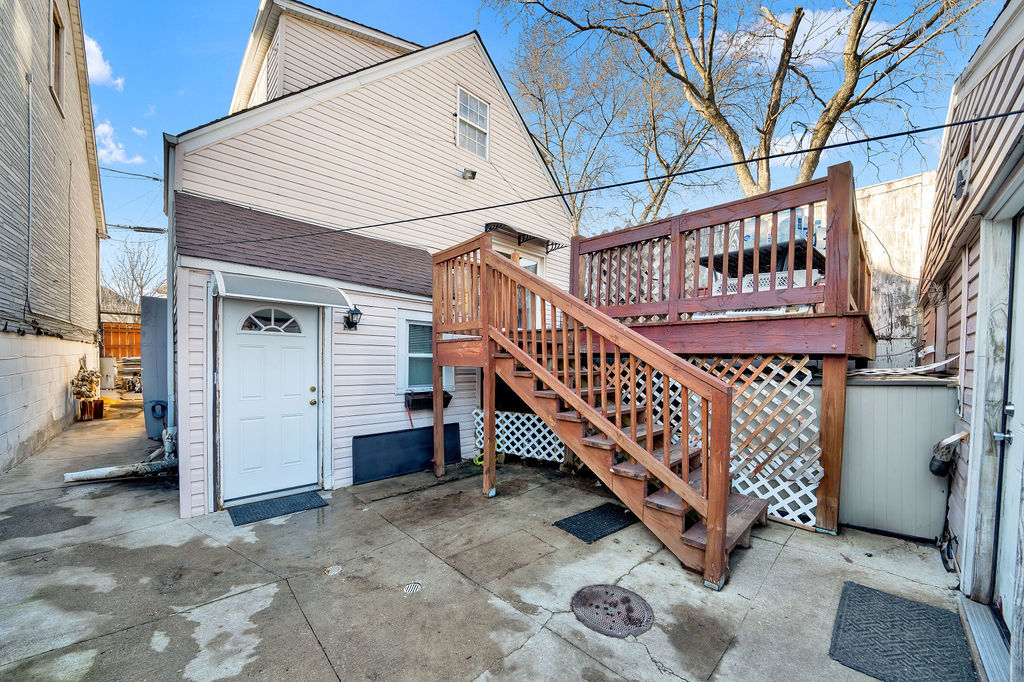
<point x="473" y="130"/>
<point x="315" y="53"/>
<point x="329" y="163"/>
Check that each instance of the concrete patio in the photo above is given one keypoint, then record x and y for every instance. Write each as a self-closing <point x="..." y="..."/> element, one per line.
<point x="103" y="581"/>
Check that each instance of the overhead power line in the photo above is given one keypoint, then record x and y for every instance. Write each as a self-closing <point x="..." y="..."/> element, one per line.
<point x="129" y="173"/>
<point x="625" y="183"/>
<point x="138" y="228"/>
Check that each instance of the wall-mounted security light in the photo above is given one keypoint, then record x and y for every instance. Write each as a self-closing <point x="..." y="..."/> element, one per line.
<point x="352" y="317"/>
<point x="468" y="174"/>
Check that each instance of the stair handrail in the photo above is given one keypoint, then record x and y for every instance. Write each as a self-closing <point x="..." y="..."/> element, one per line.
<point x="714" y="507"/>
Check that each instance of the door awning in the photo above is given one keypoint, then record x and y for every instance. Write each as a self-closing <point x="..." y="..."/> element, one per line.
<point x="229" y="285"/>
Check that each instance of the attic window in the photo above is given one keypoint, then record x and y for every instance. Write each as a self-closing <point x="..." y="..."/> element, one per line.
<point x="56" y="56"/>
<point x="473" y="124"/>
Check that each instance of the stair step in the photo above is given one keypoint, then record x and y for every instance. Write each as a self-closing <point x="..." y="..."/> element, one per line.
<point x="744" y="512"/>
<point x="584" y="392"/>
<point x="639" y="471"/>
<point x="668" y="501"/>
<point x="609" y="444"/>
<point x="527" y="374"/>
<point x="501" y="354"/>
<point x="574" y="416"/>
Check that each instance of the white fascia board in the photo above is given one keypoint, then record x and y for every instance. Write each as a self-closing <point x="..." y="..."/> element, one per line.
<point x="1004" y="36"/>
<point x="211" y="264"/>
<point x="345" y="26"/>
<point x="303" y="99"/>
<point x="267" y="14"/>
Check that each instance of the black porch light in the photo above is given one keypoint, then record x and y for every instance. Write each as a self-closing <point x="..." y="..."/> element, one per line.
<point x="352" y="317"/>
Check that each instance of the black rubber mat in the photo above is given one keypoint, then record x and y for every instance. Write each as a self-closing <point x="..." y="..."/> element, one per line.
<point x="892" y="638"/>
<point x="598" y="522"/>
<point x="268" y="509"/>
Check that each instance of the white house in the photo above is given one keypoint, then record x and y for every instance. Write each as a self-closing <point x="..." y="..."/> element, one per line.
<point x="51" y="221"/>
<point x="297" y="207"/>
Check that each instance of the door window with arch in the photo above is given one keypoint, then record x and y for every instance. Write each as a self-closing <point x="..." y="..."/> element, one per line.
<point x="273" y="320"/>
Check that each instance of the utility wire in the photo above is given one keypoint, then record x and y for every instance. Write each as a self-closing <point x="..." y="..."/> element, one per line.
<point x="138" y="228"/>
<point x="134" y="175"/>
<point x="626" y="183"/>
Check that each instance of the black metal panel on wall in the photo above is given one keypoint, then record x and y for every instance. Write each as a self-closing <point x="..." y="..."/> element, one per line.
<point x="383" y="455"/>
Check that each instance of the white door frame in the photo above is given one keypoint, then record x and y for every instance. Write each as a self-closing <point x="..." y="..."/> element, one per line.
<point x="324" y="339"/>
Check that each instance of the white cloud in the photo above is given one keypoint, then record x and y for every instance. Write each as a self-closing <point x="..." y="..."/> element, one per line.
<point x="100" y="72"/>
<point x="111" y="150"/>
<point x="141" y="132"/>
<point x="150" y="112"/>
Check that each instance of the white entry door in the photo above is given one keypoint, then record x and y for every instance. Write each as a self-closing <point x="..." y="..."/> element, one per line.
<point x="268" y="395"/>
<point x="1008" y="547"/>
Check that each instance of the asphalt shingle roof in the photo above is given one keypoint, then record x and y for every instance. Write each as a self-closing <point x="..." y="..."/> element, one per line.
<point x="208" y="228"/>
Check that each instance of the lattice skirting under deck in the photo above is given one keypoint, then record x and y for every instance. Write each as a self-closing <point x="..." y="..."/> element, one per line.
<point x="522" y="435"/>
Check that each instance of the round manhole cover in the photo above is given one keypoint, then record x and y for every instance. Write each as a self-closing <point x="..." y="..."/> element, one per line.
<point x="612" y="610"/>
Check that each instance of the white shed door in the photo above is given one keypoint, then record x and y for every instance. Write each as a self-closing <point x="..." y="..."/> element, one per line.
<point x="269" y="393"/>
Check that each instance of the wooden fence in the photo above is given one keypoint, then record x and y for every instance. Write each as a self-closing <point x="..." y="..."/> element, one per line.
<point x="122" y="339"/>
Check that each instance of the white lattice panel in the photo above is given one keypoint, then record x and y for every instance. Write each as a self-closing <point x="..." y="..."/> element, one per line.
<point x="522" y="435"/>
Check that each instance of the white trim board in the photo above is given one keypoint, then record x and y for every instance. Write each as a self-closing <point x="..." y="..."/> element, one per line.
<point x="196" y="263"/>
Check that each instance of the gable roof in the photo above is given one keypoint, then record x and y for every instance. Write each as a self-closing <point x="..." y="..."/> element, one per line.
<point x="265" y="25"/>
<point x="253" y="117"/>
<point x="219" y="230"/>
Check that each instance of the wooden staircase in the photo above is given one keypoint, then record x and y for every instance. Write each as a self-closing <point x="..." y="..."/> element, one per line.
<point x="653" y="428"/>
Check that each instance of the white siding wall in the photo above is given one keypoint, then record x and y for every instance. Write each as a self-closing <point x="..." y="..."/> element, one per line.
<point x="364" y="379"/>
<point x="314" y="53"/>
<point x="386" y="151"/>
<point x="35" y="391"/>
<point x="193" y="329"/>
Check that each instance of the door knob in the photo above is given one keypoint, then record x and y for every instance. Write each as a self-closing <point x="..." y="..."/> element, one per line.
<point x="312" y="389"/>
<point x="313" y="401"/>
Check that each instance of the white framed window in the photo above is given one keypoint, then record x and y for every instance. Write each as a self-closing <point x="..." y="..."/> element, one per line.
<point x="56" y="56"/>
<point x="415" y="361"/>
<point x="473" y="124"/>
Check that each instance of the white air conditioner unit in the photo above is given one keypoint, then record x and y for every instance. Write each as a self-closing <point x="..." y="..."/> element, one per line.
<point x="962" y="178"/>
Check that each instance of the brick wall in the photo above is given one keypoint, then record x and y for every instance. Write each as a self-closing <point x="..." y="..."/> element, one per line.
<point x="35" y="393"/>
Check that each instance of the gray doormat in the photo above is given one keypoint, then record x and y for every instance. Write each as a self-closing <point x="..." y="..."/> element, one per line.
<point x="598" y="522"/>
<point x="892" y="638"/>
<point x="268" y="509"/>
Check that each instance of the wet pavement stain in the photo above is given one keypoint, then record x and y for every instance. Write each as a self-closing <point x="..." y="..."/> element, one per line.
<point x="39" y="518"/>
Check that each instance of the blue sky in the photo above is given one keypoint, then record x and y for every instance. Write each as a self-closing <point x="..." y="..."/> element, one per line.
<point x="169" y="66"/>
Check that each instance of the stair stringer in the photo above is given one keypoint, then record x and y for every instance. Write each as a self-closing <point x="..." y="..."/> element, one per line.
<point x="667" y="527"/>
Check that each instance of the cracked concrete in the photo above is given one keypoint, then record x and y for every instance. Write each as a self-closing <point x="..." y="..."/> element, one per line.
<point x="103" y="581"/>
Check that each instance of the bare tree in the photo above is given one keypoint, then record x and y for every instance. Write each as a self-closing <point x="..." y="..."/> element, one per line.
<point x="137" y="269"/>
<point x="747" y="73"/>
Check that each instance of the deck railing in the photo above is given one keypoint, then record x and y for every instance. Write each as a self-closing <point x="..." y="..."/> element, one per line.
<point x="798" y="250"/>
<point x="602" y="369"/>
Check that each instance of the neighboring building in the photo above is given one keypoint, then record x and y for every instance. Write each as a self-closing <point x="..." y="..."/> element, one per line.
<point x="896" y="217"/>
<point x="334" y="125"/>
<point x="972" y="294"/>
<point x="51" y="220"/>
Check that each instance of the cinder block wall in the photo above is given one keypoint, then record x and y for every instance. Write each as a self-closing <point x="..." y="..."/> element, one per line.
<point x="35" y="391"/>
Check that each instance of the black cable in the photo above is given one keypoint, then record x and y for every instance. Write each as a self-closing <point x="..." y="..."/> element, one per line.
<point x="134" y="175"/>
<point x="625" y="183"/>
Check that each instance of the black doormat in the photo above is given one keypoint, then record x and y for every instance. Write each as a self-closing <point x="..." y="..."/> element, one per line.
<point x="892" y="638"/>
<point x="268" y="509"/>
<point x="598" y="522"/>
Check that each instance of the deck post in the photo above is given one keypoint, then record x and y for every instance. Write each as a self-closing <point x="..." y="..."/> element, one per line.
<point x="833" y="420"/>
<point x="716" y="558"/>
<point x="489" y="424"/>
<point x="438" y="419"/>
<point x="839" y="196"/>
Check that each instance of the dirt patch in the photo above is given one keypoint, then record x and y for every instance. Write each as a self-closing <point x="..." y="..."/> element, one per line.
<point x="39" y="518"/>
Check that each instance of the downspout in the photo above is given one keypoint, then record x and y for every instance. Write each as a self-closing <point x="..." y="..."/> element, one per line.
<point x="170" y="143"/>
<point x="28" y="247"/>
<point x="1014" y="225"/>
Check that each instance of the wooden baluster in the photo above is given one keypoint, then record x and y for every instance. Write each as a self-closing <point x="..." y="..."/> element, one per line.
<point x="565" y="348"/>
<point x="792" y="241"/>
<point x="810" y="245"/>
<point x="757" y="253"/>
<point x="704" y="449"/>
<point x="650" y="271"/>
<point x="666" y="424"/>
<point x="576" y="354"/>
<point x="739" y="257"/>
<point x="602" y="378"/>
<point x="725" y="259"/>
<point x="590" y="367"/>
<point x="775" y="248"/>
<point x="649" y="404"/>
<point x="632" y="398"/>
<point x="617" y="368"/>
<point x="697" y="235"/>
<point x="684" y="424"/>
<point x="543" y="333"/>
<point x="639" y="269"/>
